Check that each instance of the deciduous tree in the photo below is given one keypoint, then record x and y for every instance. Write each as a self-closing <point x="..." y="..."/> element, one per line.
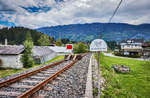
<point x="44" y="40"/>
<point x="80" y="48"/>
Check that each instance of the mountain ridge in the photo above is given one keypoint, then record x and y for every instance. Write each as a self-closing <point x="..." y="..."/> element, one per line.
<point x="90" y="31"/>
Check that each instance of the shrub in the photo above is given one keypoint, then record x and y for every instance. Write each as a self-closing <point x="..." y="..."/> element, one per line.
<point x="133" y="56"/>
<point x="80" y="48"/>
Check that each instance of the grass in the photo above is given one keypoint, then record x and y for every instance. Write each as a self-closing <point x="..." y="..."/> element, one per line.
<point x="109" y="51"/>
<point x="135" y="84"/>
<point x="7" y="71"/>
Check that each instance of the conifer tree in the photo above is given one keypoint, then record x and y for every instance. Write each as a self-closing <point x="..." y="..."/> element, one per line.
<point x="26" y="58"/>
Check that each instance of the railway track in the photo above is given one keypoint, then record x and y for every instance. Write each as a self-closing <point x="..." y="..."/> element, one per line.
<point x="25" y="85"/>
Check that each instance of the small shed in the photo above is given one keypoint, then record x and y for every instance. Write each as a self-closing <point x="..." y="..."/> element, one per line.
<point x="10" y="56"/>
<point x="42" y="54"/>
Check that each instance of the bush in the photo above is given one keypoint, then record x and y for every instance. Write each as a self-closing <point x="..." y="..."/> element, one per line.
<point x="80" y="48"/>
<point x="58" y="42"/>
<point x="133" y="56"/>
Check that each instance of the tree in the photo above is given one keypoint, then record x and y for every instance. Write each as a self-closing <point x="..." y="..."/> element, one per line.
<point x="44" y="40"/>
<point x="58" y="42"/>
<point x="17" y="35"/>
<point x="148" y="41"/>
<point x="65" y="41"/>
<point x="27" y="56"/>
<point x="112" y="45"/>
<point x="80" y="48"/>
<point x="28" y="36"/>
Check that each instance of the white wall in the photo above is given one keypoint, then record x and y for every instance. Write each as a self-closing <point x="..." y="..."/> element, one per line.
<point x="131" y="46"/>
<point x="11" y="61"/>
<point x="48" y="57"/>
<point x="60" y="50"/>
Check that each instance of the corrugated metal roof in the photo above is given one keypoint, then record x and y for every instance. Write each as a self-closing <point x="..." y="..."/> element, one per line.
<point x="14" y="50"/>
<point x="11" y="49"/>
<point x="41" y="51"/>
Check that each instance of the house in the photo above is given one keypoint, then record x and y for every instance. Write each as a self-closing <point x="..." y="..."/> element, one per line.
<point x="61" y="50"/>
<point x="43" y="54"/>
<point x="146" y="50"/>
<point x="131" y="46"/>
<point x="10" y="56"/>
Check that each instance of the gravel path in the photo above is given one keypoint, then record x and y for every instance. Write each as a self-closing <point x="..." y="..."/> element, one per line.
<point x="71" y="84"/>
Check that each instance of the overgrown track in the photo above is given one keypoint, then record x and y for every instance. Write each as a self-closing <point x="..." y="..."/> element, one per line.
<point x="28" y="74"/>
<point x="25" y="85"/>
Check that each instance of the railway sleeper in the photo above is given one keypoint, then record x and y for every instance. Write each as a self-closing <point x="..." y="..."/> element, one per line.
<point x="12" y="89"/>
<point x="36" y="79"/>
<point x="27" y="83"/>
<point x="9" y="94"/>
<point x="20" y="86"/>
<point x="73" y="57"/>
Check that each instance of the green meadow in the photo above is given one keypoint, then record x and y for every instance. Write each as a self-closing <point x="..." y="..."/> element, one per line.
<point x="135" y="84"/>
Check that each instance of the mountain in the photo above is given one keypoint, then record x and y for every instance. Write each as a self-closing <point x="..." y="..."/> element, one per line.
<point x="88" y="32"/>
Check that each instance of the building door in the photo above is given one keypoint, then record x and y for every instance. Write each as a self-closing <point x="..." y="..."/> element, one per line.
<point x="1" y="63"/>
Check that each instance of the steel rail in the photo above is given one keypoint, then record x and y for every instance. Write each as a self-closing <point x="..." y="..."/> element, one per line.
<point x="4" y="83"/>
<point x="43" y="83"/>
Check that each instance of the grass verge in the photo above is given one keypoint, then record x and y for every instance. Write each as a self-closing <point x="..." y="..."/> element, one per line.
<point x="135" y="84"/>
<point x="7" y="71"/>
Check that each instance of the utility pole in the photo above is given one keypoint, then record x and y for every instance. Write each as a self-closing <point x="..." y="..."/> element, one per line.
<point x="98" y="61"/>
<point x="98" y="45"/>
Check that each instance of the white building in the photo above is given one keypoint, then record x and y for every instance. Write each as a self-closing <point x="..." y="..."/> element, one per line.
<point x="61" y="50"/>
<point x="43" y="54"/>
<point x="131" y="46"/>
<point x="10" y="56"/>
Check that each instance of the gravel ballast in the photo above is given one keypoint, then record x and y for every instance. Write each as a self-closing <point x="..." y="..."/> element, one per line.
<point x="71" y="84"/>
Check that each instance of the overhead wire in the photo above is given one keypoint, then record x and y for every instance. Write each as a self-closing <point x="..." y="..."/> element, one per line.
<point x="110" y="19"/>
<point x="115" y="11"/>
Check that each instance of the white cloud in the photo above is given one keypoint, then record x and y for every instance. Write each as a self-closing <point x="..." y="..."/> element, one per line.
<point x="2" y="26"/>
<point x="77" y="11"/>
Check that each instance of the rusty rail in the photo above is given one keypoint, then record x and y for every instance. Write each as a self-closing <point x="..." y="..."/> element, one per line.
<point x="43" y="83"/>
<point x="28" y="74"/>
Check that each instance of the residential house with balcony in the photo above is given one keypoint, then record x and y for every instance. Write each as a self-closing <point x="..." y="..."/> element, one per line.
<point x="131" y="47"/>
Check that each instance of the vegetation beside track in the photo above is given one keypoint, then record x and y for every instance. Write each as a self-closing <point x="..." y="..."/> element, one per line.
<point x="135" y="84"/>
<point x="6" y="71"/>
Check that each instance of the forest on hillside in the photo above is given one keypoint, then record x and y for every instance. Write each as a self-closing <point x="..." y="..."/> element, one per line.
<point x="17" y="35"/>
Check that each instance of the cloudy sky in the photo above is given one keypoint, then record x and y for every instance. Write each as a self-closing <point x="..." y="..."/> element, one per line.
<point x="40" y="13"/>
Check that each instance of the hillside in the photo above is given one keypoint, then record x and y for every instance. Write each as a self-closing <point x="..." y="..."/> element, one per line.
<point x="17" y="35"/>
<point x="88" y="32"/>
